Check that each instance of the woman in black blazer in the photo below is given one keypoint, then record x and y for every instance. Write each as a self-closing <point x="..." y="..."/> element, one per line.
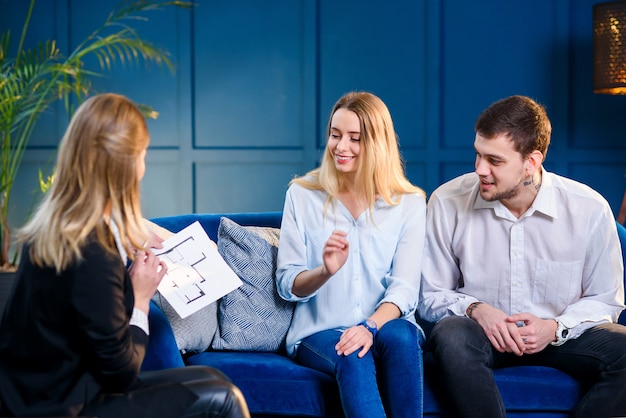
<point x="74" y="334"/>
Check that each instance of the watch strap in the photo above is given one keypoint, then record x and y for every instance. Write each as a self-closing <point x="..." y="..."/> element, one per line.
<point x="370" y="326"/>
<point x="471" y="307"/>
<point x="561" y="333"/>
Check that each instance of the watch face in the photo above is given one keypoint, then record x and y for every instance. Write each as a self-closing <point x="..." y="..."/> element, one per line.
<point x="371" y="324"/>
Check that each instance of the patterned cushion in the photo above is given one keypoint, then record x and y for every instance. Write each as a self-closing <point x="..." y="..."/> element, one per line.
<point x="195" y="332"/>
<point x="253" y="317"/>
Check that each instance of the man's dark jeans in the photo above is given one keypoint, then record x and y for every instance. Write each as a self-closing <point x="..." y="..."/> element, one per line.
<point x="466" y="358"/>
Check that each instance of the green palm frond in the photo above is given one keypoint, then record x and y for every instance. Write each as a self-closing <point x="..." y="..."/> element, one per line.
<point x="5" y="43"/>
<point x="131" y="10"/>
<point x="28" y="85"/>
<point x="125" y="43"/>
<point x="35" y="78"/>
<point x="120" y="47"/>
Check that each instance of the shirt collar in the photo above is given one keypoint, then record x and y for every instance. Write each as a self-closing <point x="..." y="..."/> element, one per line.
<point x="545" y="201"/>
<point x="118" y="241"/>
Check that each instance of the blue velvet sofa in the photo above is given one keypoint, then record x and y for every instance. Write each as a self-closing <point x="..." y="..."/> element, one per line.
<point x="274" y="385"/>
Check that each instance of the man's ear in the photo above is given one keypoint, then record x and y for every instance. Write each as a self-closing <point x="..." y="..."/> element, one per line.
<point x="534" y="161"/>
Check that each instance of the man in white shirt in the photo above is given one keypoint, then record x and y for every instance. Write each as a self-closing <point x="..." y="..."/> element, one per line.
<point x="522" y="266"/>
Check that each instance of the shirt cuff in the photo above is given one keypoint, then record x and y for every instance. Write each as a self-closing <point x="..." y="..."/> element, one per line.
<point x="140" y="319"/>
<point x="459" y="308"/>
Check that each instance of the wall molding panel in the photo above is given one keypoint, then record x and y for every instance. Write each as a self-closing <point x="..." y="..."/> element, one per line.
<point x="247" y="107"/>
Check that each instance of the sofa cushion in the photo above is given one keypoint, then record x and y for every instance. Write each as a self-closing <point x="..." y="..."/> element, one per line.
<point x="195" y="332"/>
<point x="538" y="388"/>
<point x="540" y="391"/>
<point x="275" y="385"/>
<point x="253" y="317"/>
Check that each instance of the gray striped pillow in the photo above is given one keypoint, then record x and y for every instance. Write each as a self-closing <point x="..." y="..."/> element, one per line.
<point x="253" y="317"/>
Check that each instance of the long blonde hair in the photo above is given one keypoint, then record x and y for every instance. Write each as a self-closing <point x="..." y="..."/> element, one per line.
<point x="96" y="182"/>
<point x="380" y="172"/>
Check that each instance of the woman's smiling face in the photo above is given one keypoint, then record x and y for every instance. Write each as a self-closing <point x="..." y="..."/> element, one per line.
<point x="344" y="140"/>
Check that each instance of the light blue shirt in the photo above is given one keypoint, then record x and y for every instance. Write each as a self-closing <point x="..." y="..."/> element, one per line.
<point x="561" y="259"/>
<point x="384" y="263"/>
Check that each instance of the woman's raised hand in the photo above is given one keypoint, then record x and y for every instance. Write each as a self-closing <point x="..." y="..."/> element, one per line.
<point x="335" y="251"/>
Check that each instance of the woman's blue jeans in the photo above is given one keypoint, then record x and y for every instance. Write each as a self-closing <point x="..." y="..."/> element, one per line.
<point x="388" y="379"/>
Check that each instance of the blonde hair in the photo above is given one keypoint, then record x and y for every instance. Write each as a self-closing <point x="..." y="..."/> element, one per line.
<point x="380" y="171"/>
<point x="96" y="170"/>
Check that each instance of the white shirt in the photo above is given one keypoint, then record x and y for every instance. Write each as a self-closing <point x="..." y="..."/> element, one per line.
<point x="138" y="317"/>
<point x="561" y="259"/>
<point x="384" y="264"/>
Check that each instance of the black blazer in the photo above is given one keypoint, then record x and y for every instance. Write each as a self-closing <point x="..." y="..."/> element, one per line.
<point x="64" y="338"/>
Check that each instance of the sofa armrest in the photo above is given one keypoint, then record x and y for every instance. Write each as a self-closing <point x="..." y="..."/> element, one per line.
<point x="621" y="233"/>
<point x="162" y="351"/>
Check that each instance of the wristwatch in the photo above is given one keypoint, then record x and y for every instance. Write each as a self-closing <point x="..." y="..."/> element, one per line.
<point x="561" y="333"/>
<point x="370" y="326"/>
<point x="470" y="309"/>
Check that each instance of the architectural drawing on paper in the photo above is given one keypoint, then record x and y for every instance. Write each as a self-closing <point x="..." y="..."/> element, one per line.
<point x="184" y="278"/>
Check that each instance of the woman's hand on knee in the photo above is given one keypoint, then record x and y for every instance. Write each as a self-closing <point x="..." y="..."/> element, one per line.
<point x="354" y="339"/>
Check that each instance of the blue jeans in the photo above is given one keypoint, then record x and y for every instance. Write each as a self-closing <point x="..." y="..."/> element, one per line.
<point x="390" y="374"/>
<point x="466" y="359"/>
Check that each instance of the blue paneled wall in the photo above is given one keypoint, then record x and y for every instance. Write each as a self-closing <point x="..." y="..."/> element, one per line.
<point x="247" y="106"/>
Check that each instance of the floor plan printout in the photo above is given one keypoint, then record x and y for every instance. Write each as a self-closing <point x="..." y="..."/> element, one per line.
<point x="197" y="275"/>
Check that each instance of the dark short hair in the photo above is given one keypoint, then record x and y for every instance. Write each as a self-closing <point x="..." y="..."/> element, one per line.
<point x="522" y="119"/>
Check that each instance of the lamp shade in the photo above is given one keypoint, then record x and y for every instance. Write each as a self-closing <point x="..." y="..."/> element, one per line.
<point x="609" y="48"/>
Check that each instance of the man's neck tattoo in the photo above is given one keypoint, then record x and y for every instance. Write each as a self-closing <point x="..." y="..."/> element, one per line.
<point x="532" y="181"/>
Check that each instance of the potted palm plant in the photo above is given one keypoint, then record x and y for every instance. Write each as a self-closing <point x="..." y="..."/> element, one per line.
<point x="32" y="79"/>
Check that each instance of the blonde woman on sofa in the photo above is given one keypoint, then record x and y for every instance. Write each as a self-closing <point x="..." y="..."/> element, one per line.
<point x="350" y="255"/>
<point x="74" y="334"/>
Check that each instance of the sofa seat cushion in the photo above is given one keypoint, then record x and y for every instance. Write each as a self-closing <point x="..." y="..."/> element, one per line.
<point x="273" y="384"/>
<point x="525" y="390"/>
<point x="537" y="388"/>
